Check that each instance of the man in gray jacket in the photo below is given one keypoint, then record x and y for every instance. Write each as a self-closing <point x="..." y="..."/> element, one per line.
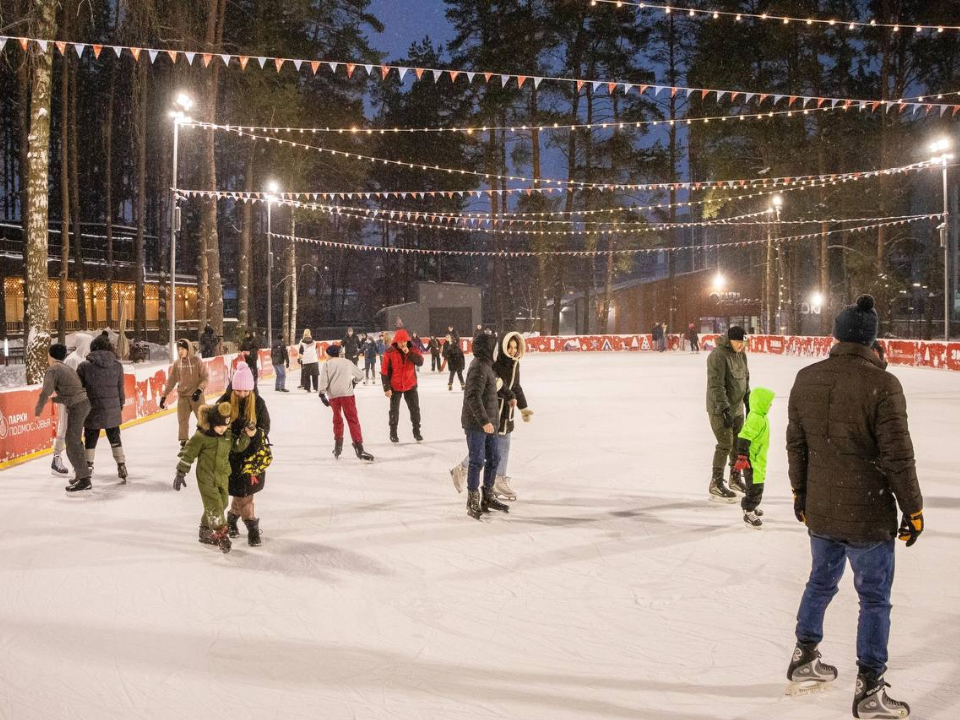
<point x="338" y="377"/>
<point x="728" y="389"/>
<point x="64" y="383"/>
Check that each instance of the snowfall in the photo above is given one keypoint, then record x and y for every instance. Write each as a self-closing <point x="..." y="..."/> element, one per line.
<point x="613" y="588"/>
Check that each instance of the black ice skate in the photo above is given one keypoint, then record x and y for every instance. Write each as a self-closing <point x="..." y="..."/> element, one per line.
<point x="79" y="486"/>
<point x="417" y="436"/>
<point x="490" y="502"/>
<point x="361" y="453"/>
<point x="473" y="504"/>
<point x="337" y="448"/>
<point x="58" y="467"/>
<point x="393" y="437"/>
<point x="450" y="387"/>
<point x="872" y="702"/>
<point x="253" y="532"/>
<point x="719" y="491"/>
<point x="806" y="673"/>
<point x="232" y="529"/>
<point x="752" y="520"/>
<point x="122" y="473"/>
<point x="736" y="482"/>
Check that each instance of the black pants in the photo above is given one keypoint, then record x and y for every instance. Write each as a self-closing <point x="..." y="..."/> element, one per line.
<point x="751" y="501"/>
<point x="92" y="435"/>
<point x="434" y="361"/>
<point x="311" y="377"/>
<point x="458" y="373"/>
<point x="370" y="369"/>
<point x="695" y="346"/>
<point x="413" y="405"/>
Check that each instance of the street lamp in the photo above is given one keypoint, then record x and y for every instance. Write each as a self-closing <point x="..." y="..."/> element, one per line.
<point x="718" y="283"/>
<point x="272" y="190"/>
<point x="942" y="156"/>
<point x="776" y="203"/>
<point x="181" y="106"/>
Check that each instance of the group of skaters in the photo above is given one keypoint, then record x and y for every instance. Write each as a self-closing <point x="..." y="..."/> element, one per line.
<point x="851" y="464"/>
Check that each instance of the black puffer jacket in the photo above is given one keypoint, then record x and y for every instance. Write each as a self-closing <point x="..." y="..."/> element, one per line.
<point x="102" y="377"/>
<point x="454" y="357"/>
<point x="480" y="393"/>
<point x="351" y="346"/>
<point x="508" y="370"/>
<point x="849" y="447"/>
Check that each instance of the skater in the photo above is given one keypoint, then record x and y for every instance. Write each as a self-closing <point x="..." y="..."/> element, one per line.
<point x="752" y="446"/>
<point x="211" y="446"/>
<point x="309" y="361"/>
<point x="351" y="346"/>
<point x="337" y="379"/>
<point x="478" y="419"/>
<point x="382" y="346"/>
<point x="655" y="336"/>
<point x="208" y="343"/>
<point x="417" y="343"/>
<point x="399" y="374"/>
<point x="510" y="397"/>
<point x="455" y="361"/>
<point x="451" y="333"/>
<point x="693" y="337"/>
<point x="72" y="360"/>
<point x="728" y="388"/>
<point x="102" y="377"/>
<point x="370" y="353"/>
<point x="250" y="352"/>
<point x="189" y="374"/>
<point x="434" y="346"/>
<point x="64" y="384"/>
<point x="248" y="464"/>
<point x="281" y="363"/>
<point x="851" y="463"/>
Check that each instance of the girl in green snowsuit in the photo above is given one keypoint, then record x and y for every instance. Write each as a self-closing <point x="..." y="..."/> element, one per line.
<point x="752" y="446"/>
<point x="210" y="446"/>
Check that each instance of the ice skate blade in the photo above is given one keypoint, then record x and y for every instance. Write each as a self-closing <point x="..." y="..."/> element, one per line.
<point x="807" y="687"/>
<point x="725" y="501"/>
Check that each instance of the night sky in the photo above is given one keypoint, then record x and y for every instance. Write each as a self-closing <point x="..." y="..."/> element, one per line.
<point x="408" y="21"/>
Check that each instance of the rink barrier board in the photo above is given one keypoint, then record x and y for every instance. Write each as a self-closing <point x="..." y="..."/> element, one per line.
<point x="24" y="437"/>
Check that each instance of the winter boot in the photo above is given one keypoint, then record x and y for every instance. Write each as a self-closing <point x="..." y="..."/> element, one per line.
<point x="473" y="504"/>
<point x="222" y="539"/>
<point x="718" y="490"/>
<point x="463" y="386"/>
<point x="79" y="485"/>
<point x="122" y="473"/>
<point x="206" y="536"/>
<point x="361" y="453"/>
<point x="232" y="529"/>
<point x="253" y="532"/>
<point x="57" y="465"/>
<point x="758" y="512"/>
<point x="416" y="435"/>
<point x="736" y="482"/>
<point x="450" y="387"/>
<point x="806" y="673"/>
<point x="459" y="476"/>
<point x="871" y="700"/>
<point x="337" y="447"/>
<point x="752" y="520"/>
<point x="489" y="501"/>
<point x="394" y="438"/>
<point x="502" y="489"/>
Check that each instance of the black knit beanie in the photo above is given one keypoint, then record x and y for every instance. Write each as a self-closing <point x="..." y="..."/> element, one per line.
<point x="58" y="351"/>
<point x="858" y="323"/>
<point x="736" y="333"/>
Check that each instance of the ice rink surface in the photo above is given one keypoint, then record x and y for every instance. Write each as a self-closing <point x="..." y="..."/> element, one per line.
<point x="613" y="589"/>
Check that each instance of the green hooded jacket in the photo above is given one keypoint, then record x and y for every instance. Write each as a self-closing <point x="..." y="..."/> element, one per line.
<point x="728" y="379"/>
<point x="211" y="451"/>
<point x="755" y="436"/>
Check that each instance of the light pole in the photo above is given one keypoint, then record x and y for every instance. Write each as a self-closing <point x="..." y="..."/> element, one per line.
<point x="942" y="146"/>
<point x="181" y="106"/>
<point x="272" y="190"/>
<point x="776" y="204"/>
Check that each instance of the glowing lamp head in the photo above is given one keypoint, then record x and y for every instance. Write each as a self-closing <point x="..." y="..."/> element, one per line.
<point x="718" y="282"/>
<point x="184" y="101"/>
<point x="777" y="201"/>
<point x="817" y="299"/>
<point x="273" y="187"/>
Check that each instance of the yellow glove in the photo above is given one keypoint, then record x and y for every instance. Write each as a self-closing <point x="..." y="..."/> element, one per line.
<point x="526" y="412"/>
<point x="910" y="527"/>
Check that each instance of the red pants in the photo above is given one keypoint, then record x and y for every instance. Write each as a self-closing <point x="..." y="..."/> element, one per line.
<point x="349" y="407"/>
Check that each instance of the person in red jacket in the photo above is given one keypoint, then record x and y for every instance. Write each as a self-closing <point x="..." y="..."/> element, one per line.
<point x="399" y="374"/>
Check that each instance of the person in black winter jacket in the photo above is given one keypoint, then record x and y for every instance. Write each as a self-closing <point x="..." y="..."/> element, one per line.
<point x="281" y="363"/>
<point x="208" y="343"/>
<point x="351" y="346"/>
<point x="102" y="377"/>
<point x="479" y="419"/>
<point x="455" y="361"/>
<point x="370" y="353"/>
<point x="433" y="345"/>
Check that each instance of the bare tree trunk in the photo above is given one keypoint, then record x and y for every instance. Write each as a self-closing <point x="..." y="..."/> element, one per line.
<point x="24" y="80"/>
<point x="64" y="195"/>
<point x="35" y="251"/>
<point x="246" y="230"/>
<point x="673" y="75"/>
<point x="541" y="259"/>
<point x="108" y="187"/>
<point x="78" y="269"/>
<point x="140" y="144"/>
<point x="611" y="234"/>
<point x="290" y="296"/>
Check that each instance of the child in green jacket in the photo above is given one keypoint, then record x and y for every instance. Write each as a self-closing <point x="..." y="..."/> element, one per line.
<point x="210" y="446"/>
<point x="752" y="446"/>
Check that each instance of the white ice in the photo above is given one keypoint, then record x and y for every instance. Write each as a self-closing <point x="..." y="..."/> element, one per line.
<point x="613" y="589"/>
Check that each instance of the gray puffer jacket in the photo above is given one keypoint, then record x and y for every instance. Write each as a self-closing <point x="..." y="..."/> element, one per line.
<point x="102" y="377"/>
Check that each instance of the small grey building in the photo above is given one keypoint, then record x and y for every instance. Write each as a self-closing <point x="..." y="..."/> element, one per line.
<point x="438" y="306"/>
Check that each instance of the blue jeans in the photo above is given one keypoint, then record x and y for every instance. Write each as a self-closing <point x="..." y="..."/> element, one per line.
<point x="281" y="377"/>
<point x="483" y="456"/>
<point x="872" y="565"/>
<point x="503" y="448"/>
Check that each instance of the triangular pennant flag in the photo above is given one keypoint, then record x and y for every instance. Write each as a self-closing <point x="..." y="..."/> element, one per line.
<point x="384" y="71"/>
<point x="777" y="98"/>
<point x="153" y="55"/>
<point x="190" y="56"/>
<point x="834" y="102"/>
<point x="943" y="109"/>
<point x="470" y="76"/>
<point x="402" y="72"/>
<point x="418" y="72"/>
<point x="762" y="98"/>
<point x="79" y="48"/>
<point x="369" y="69"/>
<point x="580" y="84"/>
<point x="262" y="61"/>
<point x="24" y="43"/>
<point x="673" y="92"/>
<point x="207" y="57"/>
<point x="504" y="79"/>
<point x="487" y="76"/>
<point x="279" y="63"/>
<point x="350" y="68"/>
<point x="437" y="74"/>
<point x="928" y="108"/>
<point x="956" y="109"/>
<point x="642" y="89"/>
<point x="521" y="79"/>
<point x="43" y="46"/>
<point x="297" y="63"/>
<point x="820" y="102"/>
<point x="225" y="58"/>
<point x="596" y="85"/>
<point x="611" y="87"/>
<point x="333" y="66"/>
<point x="846" y="104"/>
<point x="703" y="94"/>
<point x="61" y="46"/>
<point x="96" y="49"/>
<point x="314" y="65"/>
<point x="244" y="59"/>
<point x="173" y="56"/>
<point x="873" y="106"/>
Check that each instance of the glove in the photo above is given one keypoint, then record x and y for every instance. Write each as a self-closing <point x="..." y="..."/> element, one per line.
<point x="799" y="506"/>
<point x="526" y="413"/>
<point x="910" y="527"/>
<point x="196" y="394"/>
<point x="323" y="399"/>
<point x="179" y="481"/>
<point x="163" y="403"/>
<point x="727" y="419"/>
<point x="742" y="463"/>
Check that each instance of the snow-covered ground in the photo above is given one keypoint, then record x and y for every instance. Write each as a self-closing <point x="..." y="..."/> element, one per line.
<point x="612" y="589"/>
